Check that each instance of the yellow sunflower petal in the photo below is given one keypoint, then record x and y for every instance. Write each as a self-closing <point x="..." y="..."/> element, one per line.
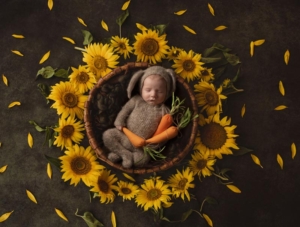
<point x="243" y="110"/>
<point x="50" y="4"/>
<point x="31" y="196"/>
<point x="125" y="5"/>
<point x="18" y="36"/>
<point x="60" y="214"/>
<point x="208" y="220"/>
<point x="281" y="88"/>
<point x="233" y="188"/>
<point x="280" y="161"/>
<point x="5" y="216"/>
<point x="251" y="48"/>
<point x="293" y="149"/>
<point x="16" y="103"/>
<point x="113" y="219"/>
<point x="69" y="39"/>
<point x="81" y="21"/>
<point x="129" y="177"/>
<point x="259" y="42"/>
<point x="287" y="57"/>
<point x="180" y="12"/>
<point x="211" y="9"/>
<point x="104" y="25"/>
<point x="256" y="160"/>
<point x="30" y="140"/>
<point x="141" y="27"/>
<point x="45" y="57"/>
<point x="189" y="29"/>
<point x="220" y="28"/>
<point x="3" y="169"/>
<point x="49" y="170"/>
<point x="5" y="81"/>
<point x="281" y="107"/>
<point x="17" y="52"/>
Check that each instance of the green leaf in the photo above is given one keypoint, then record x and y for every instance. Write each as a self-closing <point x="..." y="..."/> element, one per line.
<point x="89" y="219"/>
<point x="45" y="90"/>
<point x="185" y="215"/>
<point x="160" y="28"/>
<point x="232" y="58"/>
<point x="219" y="72"/>
<point x="220" y="47"/>
<point x="236" y="75"/>
<point x="120" y="20"/>
<point x="231" y="89"/>
<point x="87" y="37"/>
<point x="62" y="73"/>
<point x="241" y="151"/>
<point x="46" y="72"/>
<point x="37" y="127"/>
<point x="54" y="161"/>
<point x="211" y="200"/>
<point x="209" y="60"/>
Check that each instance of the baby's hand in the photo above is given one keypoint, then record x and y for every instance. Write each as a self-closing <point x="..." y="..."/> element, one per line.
<point x="119" y="127"/>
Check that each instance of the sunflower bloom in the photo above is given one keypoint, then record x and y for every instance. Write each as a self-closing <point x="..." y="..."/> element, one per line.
<point x="206" y="74"/>
<point x="153" y="194"/>
<point x="104" y="185"/>
<point x="82" y="79"/>
<point x="127" y="190"/>
<point x="100" y="59"/>
<point x="67" y="100"/>
<point x="216" y="136"/>
<point x="173" y="53"/>
<point x="80" y="164"/>
<point x="188" y="65"/>
<point x="68" y="130"/>
<point x="121" y="45"/>
<point x="181" y="182"/>
<point x="149" y="47"/>
<point x="209" y="98"/>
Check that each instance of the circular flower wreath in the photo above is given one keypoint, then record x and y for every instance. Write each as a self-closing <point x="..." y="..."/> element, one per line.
<point x="216" y="137"/>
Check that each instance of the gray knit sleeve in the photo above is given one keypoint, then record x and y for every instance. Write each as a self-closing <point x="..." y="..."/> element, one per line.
<point x="126" y="111"/>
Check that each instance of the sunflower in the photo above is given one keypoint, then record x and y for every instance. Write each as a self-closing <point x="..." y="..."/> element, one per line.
<point x="100" y="59"/>
<point x="79" y="164"/>
<point x="173" y="53"/>
<point x="149" y="46"/>
<point x="121" y="45"/>
<point x="67" y="100"/>
<point x="153" y="194"/>
<point x="188" y="65"/>
<point x="206" y="74"/>
<point x="127" y="190"/>
<point x="82" y="79"/>
<point x="103" y="185"/>
<point x="216" y="136"/>
<point x="68" y="130"/>
<point x="181" y="182"/>
<point x="209" y="98"/>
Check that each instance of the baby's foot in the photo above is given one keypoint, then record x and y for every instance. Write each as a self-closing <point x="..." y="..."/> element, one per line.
<point x="113" y="157"/>
<point x="127" y="161"/>
<point x="140" y="158"/>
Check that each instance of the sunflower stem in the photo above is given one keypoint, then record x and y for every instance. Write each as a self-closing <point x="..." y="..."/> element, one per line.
<point x="120" y="31"/>
<point x="79" y="48"/>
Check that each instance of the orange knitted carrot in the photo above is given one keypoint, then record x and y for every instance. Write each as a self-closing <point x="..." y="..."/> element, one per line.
<point x="164" y="136"/>
<point x="135" y="140"/>
<point x="165" y="122"/>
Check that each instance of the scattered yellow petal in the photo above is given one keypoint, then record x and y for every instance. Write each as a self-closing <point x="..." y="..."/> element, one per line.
<point x="81" y="21"/>
<point x="281" y="107"/>
<point x="256" y="160"/>
<point x="49" y="170"/>
<point x="221" y="27"/>
<point x="259" y="42"/>
<point x="18" y="36"/>
<point x="189" y="29"/>
<point x="113" y="219"/>
<point x="280" y="161"/>
<point x="281" y="88"/>
<point x="251" y="48"/>
<point x="45" y="57"/>
<point x="125" y="5"/>
<point x="167" y="204"/>
<point x="128" y="177"/>
<point x="104" y="25"/>
<point x="30" y="140"/>
<point x="243" y="110"/>
<point x="287" y="57"/>
<point x="141" y="27"/>
<point x="211" y="9"/>
<point x="69" y="39"/>
<point x="60" y="214"/>
<point x="17" y="52"/>
<point x="5" y="81"/>
<point x="233" y="188"/>
<point x="208" y="220"/>
<point x="180" y="12"/>
<point x="5" y="216"/>
<point x="3" y="168"/>
<point x="31" y="196"/>
<point x="293" y="149"/>
<point x="16" y="103"/>
<point x="50" y="4"/>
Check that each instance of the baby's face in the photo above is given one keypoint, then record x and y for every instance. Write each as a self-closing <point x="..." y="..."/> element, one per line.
<point x="154" y="90"/>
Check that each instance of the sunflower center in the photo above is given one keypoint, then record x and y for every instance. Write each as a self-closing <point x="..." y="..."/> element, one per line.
<point x="81" y="165"/>
<point x="122" y="46"/>
<point x="201" y="164"/>
<point x="149" y="47"/>
<point x="67" y="131"/>
<point x="153" y="194"/>
<point x="204" y="73"/>
<point x="189" y="65"/>
<point x="211" y="97"/>
<point x="175" y="53"/>
<point x="69" y="99"/>
<point x="103" y="185"/>
<point x="100" y="63"/>
<point x="182" y="183"/>
<point x="213" y="135"/>
<point x="126" y="191"/>
<point x="82" y="78"/>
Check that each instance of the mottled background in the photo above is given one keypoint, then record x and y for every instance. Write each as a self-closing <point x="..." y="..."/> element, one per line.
<point x="269" y="196"/>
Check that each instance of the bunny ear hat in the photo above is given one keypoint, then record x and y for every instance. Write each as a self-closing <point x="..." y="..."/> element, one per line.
<point x="167" y="74"/>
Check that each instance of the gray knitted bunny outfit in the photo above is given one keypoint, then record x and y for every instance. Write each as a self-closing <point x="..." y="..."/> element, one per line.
<point x="139" y="117"/>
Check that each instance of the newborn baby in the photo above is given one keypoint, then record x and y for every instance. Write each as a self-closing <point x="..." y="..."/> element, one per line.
<point x="141" y="115"/>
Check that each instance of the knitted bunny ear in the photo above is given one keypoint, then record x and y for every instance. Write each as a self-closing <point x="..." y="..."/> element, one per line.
<point x="173" y="79"/>
<point x="134" y="79"/>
